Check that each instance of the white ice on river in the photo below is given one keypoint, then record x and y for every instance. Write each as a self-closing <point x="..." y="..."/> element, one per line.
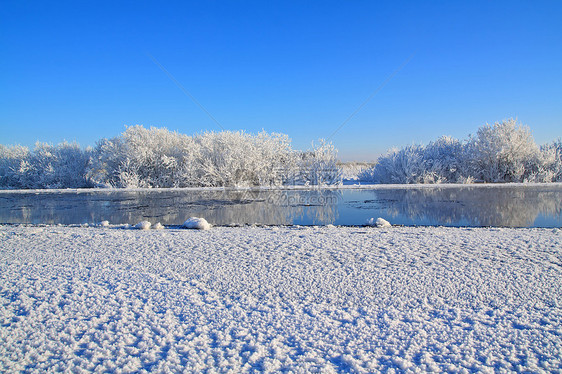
<point x="301" y="299"/>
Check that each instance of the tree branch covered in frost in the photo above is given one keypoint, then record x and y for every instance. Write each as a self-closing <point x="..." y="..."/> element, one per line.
<point x="503" y="152"/>
<point x="156" y="157"/>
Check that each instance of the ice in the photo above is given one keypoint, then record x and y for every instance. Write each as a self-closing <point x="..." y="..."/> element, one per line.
<point x="197" y="223"/>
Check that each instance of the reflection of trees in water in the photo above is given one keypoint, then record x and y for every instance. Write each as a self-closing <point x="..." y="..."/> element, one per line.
<point x="511" y="206"/>
<point x="474" y="206"/>
<point x="49" y="208"/>
<point x="270" y="207"/>
<point x="317" y="206"/>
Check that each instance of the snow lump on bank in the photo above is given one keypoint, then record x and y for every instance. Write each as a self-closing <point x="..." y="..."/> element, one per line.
<point x="197" y="224"/>
<point x="143" y="225"/>
<point x="380" y="222"/>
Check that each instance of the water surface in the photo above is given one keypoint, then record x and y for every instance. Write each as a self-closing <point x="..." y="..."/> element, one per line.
<point x="489" y="205"/>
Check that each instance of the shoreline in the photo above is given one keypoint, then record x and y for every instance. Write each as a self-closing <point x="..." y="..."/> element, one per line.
<point x="288" y="188"/>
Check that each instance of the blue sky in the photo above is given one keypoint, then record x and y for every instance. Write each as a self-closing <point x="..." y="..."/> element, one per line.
<point x="81" y="71"/>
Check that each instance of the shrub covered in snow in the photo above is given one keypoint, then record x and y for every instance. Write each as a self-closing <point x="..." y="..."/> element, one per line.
<point x="157" y="157"/>
<point x="47" y="166"/>
<point x="319" y="166"/>
<point x="13" y="163"/>
<point x="503" y="152"/>
<point x="440" y="161"/>
<point x="550" y="157"/>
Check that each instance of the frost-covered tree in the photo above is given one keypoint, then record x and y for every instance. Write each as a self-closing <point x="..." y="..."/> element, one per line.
<point x="13" y="164"/>
<point x="319" y="166"/>
<point x="238" y="159"/>
<point x="438" y="162"/>
<point x="60" y="166"/>
<point x="143" y="158"/>
<point x="444" y="161"/>
<point x="156" y="157"/>
<point x="503" y="152"/>
<point x="47" y="166"/>
<point x="551" y="161"/>
<point x="398" y="166"/>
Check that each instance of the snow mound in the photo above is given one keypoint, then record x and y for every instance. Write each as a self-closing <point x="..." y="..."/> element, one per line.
<point x="197" y="223"/>
<point x="104" y="224"/>
<point x="143" y="225"/>
<point x="380" y="222"/>
<point x="158" y="226"/>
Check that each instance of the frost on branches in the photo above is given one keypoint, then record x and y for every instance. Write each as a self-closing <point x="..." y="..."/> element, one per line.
<point x="156" y="157"/>
<point x="47" y="166"/>
<point x="140" y="157"/>
<point x="503" y="152"/>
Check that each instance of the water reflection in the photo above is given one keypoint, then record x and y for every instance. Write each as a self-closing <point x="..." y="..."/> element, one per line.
<point x="511" y="206"/>
<point x="501" y="206"/>
<point x="172" y="207"/>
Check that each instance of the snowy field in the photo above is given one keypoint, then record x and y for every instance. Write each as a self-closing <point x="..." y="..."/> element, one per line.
<point x="289" y="299"/>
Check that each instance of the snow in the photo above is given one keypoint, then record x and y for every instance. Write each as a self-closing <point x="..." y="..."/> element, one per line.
<point x="379" y="222"/>
<point x="300" y="299"/>
<point x="143" y="225"/>
<point x="197" y="224"/>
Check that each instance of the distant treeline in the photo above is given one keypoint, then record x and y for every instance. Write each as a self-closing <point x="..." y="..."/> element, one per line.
<point x="503" y="152"/>
<point x="156" y="157"/>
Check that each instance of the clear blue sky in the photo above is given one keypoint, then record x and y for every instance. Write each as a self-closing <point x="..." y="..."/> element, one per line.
<point x="79" y="70"/>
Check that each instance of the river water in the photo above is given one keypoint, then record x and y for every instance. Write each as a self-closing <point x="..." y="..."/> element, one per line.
<point x="445" y="205"/>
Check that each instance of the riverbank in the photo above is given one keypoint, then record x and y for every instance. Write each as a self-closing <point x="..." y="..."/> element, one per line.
<point x="280" y="298"/>
<point x="349" y="185"/>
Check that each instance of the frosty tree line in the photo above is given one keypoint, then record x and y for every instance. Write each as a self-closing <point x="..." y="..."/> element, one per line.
<point x="503" y="152"/>
<point x="155" y="157"/>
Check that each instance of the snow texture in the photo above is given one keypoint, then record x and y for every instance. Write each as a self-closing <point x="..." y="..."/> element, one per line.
<point x="280" y="299"/>
<point x="197" y="224"/>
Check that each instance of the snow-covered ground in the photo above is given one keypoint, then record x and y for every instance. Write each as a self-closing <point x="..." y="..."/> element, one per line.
<point x="302" y="299"/>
